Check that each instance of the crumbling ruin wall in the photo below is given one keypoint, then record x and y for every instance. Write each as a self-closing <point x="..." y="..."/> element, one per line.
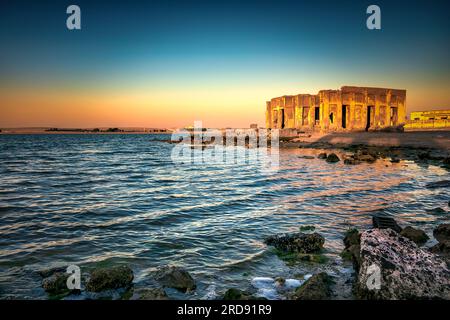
<point x="348" y="109"/>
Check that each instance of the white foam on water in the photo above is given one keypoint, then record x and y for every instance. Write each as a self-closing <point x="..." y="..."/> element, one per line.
<point x="210" y="293"/>
<point x="293" y="283"/>
<point x="270" y="289"/>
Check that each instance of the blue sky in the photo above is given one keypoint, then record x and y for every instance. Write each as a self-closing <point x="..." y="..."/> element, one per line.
<point x="267" y="48"/>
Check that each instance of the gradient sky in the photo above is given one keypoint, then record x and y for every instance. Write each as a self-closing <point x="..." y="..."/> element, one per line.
<point x="168" y="63"/>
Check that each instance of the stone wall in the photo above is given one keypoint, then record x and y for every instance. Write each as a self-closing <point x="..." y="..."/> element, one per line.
<point x="348" y="109"/>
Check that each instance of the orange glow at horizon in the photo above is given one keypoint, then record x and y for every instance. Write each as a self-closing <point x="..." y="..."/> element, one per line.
<point x="216" y="107"/>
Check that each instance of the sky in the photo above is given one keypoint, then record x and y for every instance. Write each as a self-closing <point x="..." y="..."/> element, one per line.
<point x="169" y="63"/>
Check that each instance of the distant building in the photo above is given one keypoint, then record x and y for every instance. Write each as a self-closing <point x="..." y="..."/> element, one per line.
<point x="431" y="115"/>
<point x="435" y="119"/>
<point x="348" y="109"/>
<point x="254" y="126"/>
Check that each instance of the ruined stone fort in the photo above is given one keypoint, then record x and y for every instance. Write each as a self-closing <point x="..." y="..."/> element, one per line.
<point x="348" y="109"/>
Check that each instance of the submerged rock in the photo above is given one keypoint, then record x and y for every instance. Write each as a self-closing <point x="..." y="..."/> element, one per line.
<point x="384" y="222"/>
<point x="332" y="158"/>
<point x="416" y="235"/>
<point x="437" y="210"/>
<point x="307" y="228"/>
<point x="404" y="270"/>
<point x="351" y="161"/>
<point x="175" y="277"/>
<point x="442" y="232"/>
<point x="297" y="242"/>
<point x="365" y="157"/>
<point x="110" y="278"/>
<point x="237" y="294"/>
<point x="318" y="287"/>
<point x="438" y="184"/>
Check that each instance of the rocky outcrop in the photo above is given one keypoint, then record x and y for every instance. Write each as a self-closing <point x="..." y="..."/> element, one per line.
<point x="318" y="287"/>
<point x="297" y="242"/>
<point x="362" y="156"/>
<point x="416" y="235"/>
<point x="110" y="278"/>
<point x="332" y="157"/>
<point x="175" y="277"/>
<point x="393" y="267"/>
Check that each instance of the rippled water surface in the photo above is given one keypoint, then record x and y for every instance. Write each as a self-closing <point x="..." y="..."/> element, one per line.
<point x="84" y="199"/>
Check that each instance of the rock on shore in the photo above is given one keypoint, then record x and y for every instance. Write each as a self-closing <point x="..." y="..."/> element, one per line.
<point x="405" y="270"/>
<point x="416" y="235"/>
<point x="442" y="232"/>
<point x="318" y="287"/>
<point x="297" y="242"/>
<point x="352" y="247"/>
<point x="442" y="235"/>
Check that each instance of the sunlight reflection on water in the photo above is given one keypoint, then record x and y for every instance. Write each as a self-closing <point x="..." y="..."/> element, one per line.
<point x="87" y="198"/>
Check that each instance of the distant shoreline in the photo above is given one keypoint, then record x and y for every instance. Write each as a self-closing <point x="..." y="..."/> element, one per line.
<point x="49" y="130"/>
<point x="77" y="132"/>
